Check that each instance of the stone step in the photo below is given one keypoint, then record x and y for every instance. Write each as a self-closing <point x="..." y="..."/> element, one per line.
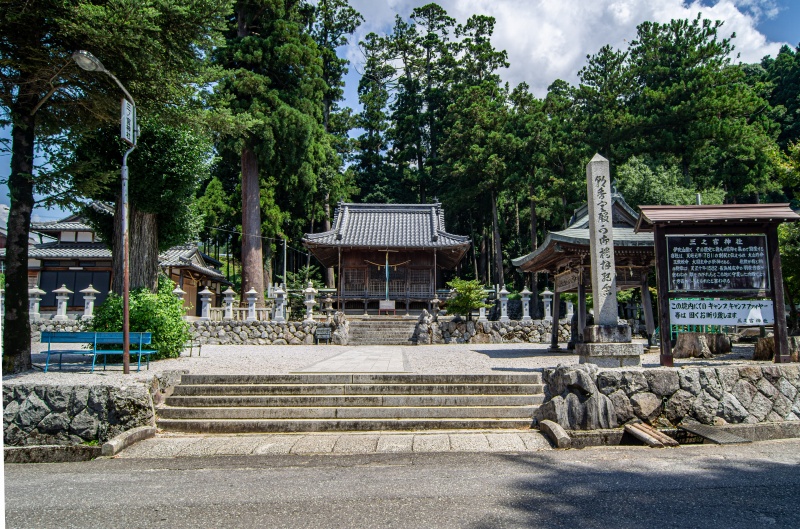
<point x="333" y="412"/>
<point x="335" y="425"/>
<point x="233" y="401"/>
<point x="373" y="378"/>
<point x="358" y="389"/>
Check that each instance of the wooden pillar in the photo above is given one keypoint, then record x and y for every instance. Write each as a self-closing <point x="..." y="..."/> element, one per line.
<point x="647" y="307"/>
<point x="581" y="307"/>
<point x="776" y="293"/>
<point x="556" y="316"/>
<point x="663" y="296"/>
<point x="341" y="275"/>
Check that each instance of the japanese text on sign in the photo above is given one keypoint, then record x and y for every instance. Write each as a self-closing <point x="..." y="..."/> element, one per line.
<point x="727" y="312"/>
<point x="717" y="262"/>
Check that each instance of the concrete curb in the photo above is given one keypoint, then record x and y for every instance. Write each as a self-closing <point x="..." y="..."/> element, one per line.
<point x="126" y="439"/>
<point x="50" y="453"/>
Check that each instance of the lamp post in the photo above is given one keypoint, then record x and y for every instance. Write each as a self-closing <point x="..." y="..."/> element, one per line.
<point x="129" y="132"/>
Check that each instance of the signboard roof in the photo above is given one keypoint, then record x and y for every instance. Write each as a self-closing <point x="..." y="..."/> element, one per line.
<point x="651" y="216"/>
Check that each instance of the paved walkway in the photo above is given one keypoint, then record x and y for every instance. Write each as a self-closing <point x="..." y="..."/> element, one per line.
<point x="367" y="359"/>
<point x="177" y="445"/>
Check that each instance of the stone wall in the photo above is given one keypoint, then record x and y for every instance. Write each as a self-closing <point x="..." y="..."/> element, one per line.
<point x="54" y="414"/>
<point x="666" y="396"/>
<point x="56" y="326"/>
<point x="460" y="331"/>
<point x="255" y="332"/>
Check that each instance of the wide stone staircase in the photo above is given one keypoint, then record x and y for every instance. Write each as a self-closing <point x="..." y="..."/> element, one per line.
<point x="381" y="332"/>
<point x="339" y="402"/>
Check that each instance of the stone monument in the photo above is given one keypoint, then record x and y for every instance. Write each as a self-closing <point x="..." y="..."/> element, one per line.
<point x="606" y="343"/>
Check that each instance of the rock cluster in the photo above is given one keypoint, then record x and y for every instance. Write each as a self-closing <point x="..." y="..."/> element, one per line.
<point x="574" y="401"/>
<point x="47" y="414"/>
<point x="56" y="326"/>
<point x="709" y="395"/>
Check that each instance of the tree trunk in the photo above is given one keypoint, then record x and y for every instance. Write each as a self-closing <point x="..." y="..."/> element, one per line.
<point x="252" y="260"/>
<point x="498" y="246"/>
<point x="16" y="325"/>
<point x="267" y="248"/>
<point x="534" y="243"/>
<point x="330" y="280"/>
<point x="483" y="264"/>
<point x="143" y="249"/>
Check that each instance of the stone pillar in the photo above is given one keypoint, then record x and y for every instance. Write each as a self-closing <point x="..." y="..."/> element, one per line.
<point x="547" y="298"/>
<point x="526" y="304"/>
<point x="504" y="305"/>
<point x="229" y="293"/>
<point x="89" y="295"/>
<point x="252" y="295"/>
<point x="62" y="295"/>
<point x="205" y="304"/>
<point x="482" y="314"/>
<point x="280" y="305"/>
<point x="607" y="343"/>
<point x="310" y="293"/>
<point x="34" y="299"/>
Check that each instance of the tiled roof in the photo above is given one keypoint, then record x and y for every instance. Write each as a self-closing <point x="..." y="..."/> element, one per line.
<point x="70" y="250"/>
<point x="188" y="256"/>
<point x="387" y="226"/>
<point x="48" y="227"/>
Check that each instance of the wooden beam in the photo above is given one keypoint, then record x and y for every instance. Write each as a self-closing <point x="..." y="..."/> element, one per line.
<point x="776" y="293"/>
<point x="556" y="311"/>
<point x="663" y="296"/>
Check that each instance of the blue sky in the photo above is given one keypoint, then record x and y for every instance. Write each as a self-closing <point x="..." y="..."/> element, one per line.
<point x="549" y="39"/>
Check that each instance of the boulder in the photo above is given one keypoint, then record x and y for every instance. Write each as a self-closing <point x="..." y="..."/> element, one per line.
<point x="764" y="349"/>
<point x="691" y="345"/>
<point x="662" y="382"/>
<point x="622" y="406"/>
<point x="646" y="406"/>
<point x="678" y="406"/>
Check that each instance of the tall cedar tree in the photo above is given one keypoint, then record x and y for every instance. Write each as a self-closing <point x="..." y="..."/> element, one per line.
<point x="273" y="89"/>
<point x="154" y="47"/>
<point x="335" y="20"/>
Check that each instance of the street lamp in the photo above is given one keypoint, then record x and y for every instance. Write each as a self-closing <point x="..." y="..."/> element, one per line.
<point x="129" y="133"/>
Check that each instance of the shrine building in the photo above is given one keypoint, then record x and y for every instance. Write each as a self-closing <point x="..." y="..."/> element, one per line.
<point x="565" y="255"/>
<point x="370" y="243"/>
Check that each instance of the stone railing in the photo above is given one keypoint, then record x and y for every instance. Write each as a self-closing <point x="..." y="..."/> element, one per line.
<point x="268" y="332"/>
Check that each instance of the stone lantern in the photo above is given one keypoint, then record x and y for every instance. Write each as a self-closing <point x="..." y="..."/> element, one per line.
<point x="251" y="295"/>
<point x="34" y="299"/>
<point x="89" y="295"/>
<point x="526" y="304"/>
<point x="328" y="305"/>
<point x="482" y="311"/>
<point x="280" y="305"/>
<point x="205" y="304"/>
<point x="435" y="302"/>
<point x="547" y="297"/>
<point x="310" y="292"/>
<point x="504" y="305"/>
<point x="178" y="292"/>
<point x="229" y="293"/>
<point x="62" y="295"/>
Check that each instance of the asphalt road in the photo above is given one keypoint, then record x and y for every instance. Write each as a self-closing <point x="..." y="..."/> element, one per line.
<point x="743" y="486"/>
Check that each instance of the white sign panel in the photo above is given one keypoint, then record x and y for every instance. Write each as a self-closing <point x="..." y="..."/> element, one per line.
<point x="724" y="312"/>
<point x="128" y="122"/>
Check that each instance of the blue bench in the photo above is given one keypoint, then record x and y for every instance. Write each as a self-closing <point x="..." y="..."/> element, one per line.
<point x="93" y="339"/>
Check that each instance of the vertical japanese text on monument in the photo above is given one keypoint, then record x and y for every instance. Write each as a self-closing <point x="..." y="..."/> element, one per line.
<point x="605" y="247"/>
<point x="717" y="262"/>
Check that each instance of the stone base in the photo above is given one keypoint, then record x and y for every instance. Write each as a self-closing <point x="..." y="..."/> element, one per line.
<point x="610" y="354"/>
<point x="607" y="333"/>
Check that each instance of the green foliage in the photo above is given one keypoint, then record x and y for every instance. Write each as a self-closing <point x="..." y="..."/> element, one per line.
<point x="298" y="282"/>
<point x="641" y="183"/>
<point x="160" y="313"/>
<point x="469" y="297"/>
<point x="789" y="242"/>
<point x="2" y="281"/>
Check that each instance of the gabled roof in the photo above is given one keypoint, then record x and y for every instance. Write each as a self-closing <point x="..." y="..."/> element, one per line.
<point x="383" y="226"/>
<point x="575" y="239"/>
<point x="188" y="256"/>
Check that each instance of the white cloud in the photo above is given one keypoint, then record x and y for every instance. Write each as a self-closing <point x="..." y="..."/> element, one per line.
<point x="550" y="39"/>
